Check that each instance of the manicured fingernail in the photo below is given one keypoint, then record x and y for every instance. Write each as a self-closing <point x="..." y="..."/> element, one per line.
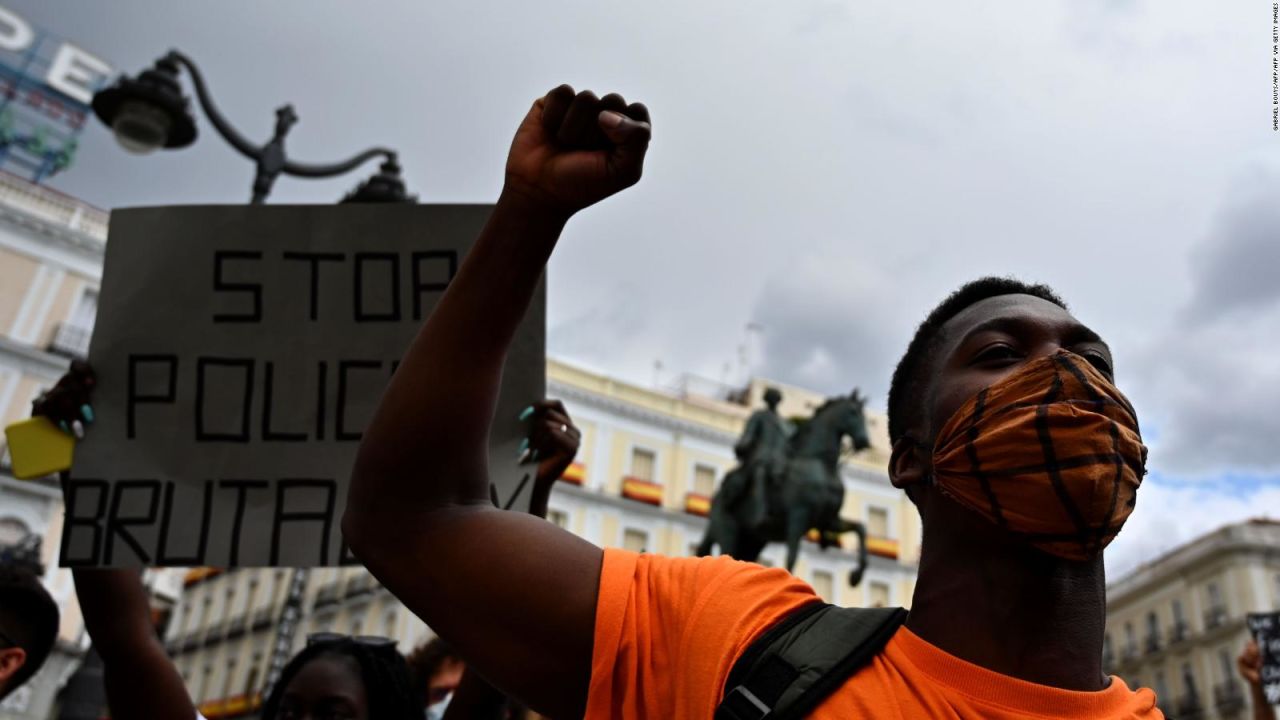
<point x="525" y="413"/>
<point x="87" y="412"/>
<point x="63" y="424"/>
<point x="524" y="457"/>
<point x="77" y="428"/>
<point x="610" y="119"/>
<point x="524" y="445"/>
<point x="534" y="456"/>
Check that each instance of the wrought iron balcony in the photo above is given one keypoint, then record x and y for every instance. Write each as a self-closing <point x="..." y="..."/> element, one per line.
<point x="215" y="632"/>
<point x="1190" y="707"/>
<point x="190" y="642"/>
<point x="1129" y="652"/>
<point x="262" y="618"/>
<point x="328" y="595"/>
<point x="70" y="340"/>
<point x="1179" y="632"/>
<point x="1228" y="697"/>
<point x="235" y="628"/>
<point x="360" y="584"/>
<point x="1152" y="645"/>
<point x="1215" y="617"/>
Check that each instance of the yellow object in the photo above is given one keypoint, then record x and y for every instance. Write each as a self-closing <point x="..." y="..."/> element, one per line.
<point x="38" y="448"/>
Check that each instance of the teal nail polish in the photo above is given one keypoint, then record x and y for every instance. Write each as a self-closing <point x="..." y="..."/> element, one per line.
<point x="87" y="412"/>
<point x="525" y="413"/>
<point x="63" y="424"/>
<point x="524" y="445"/>
<point x="534" y="456"/>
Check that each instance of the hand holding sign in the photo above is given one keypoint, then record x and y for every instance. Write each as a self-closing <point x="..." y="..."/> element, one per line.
<point x="574" y="150"/>
<point x="1261" y="667"/>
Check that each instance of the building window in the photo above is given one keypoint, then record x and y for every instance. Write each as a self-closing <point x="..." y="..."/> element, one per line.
<point x="1130" y="641"/>
<point x="824" y="585"/>
<point x="704" y="480"/>
<point x="1227" y="665"/>
<point x="642" y="464"/>
<point x="1189" y="681"/>
<point x="878" y="522"/>
<point x="389" y="623"/>
<point x="559" y="518"/>
<point x="1215" y="595"/>
<point x="635" y="540"/>
<point x="879" y="594"/>
<point x="1108" y="659"/>
<point x="251" y="681"/>
<point x="227" y="681"/>
<point x="357" y="625"/>
<point x="1153" y="632"/>
<point x="1162" y="689"/>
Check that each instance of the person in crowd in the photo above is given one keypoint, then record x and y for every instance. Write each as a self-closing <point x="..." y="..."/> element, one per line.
<point x="1249" y="665"/>
<point x="437" y="671"/>
<point x="28" y="625"/>
<point x="1007" y="431"/>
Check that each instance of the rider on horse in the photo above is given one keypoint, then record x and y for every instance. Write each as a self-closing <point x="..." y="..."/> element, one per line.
<point x="762" y="453"/>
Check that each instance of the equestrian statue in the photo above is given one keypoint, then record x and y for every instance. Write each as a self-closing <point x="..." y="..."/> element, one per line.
<point x="787" y="482"/>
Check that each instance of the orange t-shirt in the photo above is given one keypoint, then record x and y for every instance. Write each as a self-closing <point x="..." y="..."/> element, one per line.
<point x="668" y="631"/>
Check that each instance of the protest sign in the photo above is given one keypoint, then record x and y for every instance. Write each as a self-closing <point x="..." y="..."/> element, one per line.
<point x="1265" y="628"/>
<point x="240" y="352"/>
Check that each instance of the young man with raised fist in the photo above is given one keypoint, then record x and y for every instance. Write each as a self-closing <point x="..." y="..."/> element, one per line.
<point x="1009" y="435"/>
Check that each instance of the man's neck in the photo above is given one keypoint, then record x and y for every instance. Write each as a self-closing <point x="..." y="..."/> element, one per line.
<point x="1013" y="611"/>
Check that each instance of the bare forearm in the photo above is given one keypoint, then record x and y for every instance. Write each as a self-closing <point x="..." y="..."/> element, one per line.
<point x="427" y="444"/>
<point x="140" y="679"/>
<point x="1262" y="710"/>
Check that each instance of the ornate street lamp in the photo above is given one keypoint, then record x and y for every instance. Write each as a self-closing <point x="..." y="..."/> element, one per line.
<point x="150" y="112"/>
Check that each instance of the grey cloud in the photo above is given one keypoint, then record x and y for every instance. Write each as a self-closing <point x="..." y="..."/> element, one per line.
<point x="1212" y="375"/>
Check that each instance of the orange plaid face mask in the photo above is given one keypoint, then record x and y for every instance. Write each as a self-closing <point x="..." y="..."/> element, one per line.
<point x="1052" y="454"/>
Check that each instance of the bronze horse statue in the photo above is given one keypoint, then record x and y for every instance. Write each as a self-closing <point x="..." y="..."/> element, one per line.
<point x="806" y="496"/>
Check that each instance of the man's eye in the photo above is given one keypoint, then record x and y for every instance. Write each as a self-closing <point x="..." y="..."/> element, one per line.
<point x="996" y="353"/>
<point x="1100" y="362"/>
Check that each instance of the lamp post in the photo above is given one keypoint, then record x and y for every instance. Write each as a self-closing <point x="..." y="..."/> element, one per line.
<point x="150" y="112"/>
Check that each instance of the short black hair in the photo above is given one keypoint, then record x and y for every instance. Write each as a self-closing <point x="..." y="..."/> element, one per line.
<point x="427" y="659"/>
<point x="909" y="387"/>
<point x="383" y="670"/>
<point x="28" y="617"/>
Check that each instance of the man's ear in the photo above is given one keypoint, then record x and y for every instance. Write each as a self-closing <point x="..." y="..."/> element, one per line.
<point x="906" y="466"/>
<point x="11" y="661"/>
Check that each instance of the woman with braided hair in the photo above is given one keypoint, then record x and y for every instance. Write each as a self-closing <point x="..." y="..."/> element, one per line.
<point x="336" y="677"/>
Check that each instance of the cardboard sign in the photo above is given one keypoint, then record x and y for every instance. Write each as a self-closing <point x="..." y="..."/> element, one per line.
<point x="1265" y="628"/>
<point x="240" y="352"/>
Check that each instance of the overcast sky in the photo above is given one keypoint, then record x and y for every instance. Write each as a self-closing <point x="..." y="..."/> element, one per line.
<point x="827" y="169"/>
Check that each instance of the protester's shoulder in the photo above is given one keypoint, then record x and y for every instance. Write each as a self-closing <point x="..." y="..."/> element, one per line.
<point x="720" y="586"/>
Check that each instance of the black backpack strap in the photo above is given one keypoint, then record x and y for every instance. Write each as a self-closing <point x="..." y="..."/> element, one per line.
<point x="796" y="664"/>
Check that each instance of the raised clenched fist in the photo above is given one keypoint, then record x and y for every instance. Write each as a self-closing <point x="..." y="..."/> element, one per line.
<point x="574" y="149"/>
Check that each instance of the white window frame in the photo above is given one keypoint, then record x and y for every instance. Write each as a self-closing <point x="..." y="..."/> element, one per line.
<point x="890" y="521"/>
<point x="716" y="475"/>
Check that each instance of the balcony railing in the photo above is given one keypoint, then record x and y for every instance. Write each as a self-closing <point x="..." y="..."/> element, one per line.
<point x="1228" y="697"/>
<point x="359" y="585"/>
<point x="262" y="618"/>
<point x="1215" y="617"/>
<point x="71" y="341"/>
<point x="235" y="628"/>
<point x="215" y="632"/>
<point x="1190" y="707"/>
<point x="1179" y="632"/>
<point x="1129" y="653"/>
<point x="1152" y="645"/>
<point x="190" y="642"/>
<point x="328" y="595"/>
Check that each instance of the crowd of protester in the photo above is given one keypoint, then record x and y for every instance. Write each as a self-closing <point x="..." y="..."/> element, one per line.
<point x="575" y="630"/>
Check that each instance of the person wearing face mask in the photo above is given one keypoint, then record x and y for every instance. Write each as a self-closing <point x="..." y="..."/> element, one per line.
<point x="1009" y="435"/>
